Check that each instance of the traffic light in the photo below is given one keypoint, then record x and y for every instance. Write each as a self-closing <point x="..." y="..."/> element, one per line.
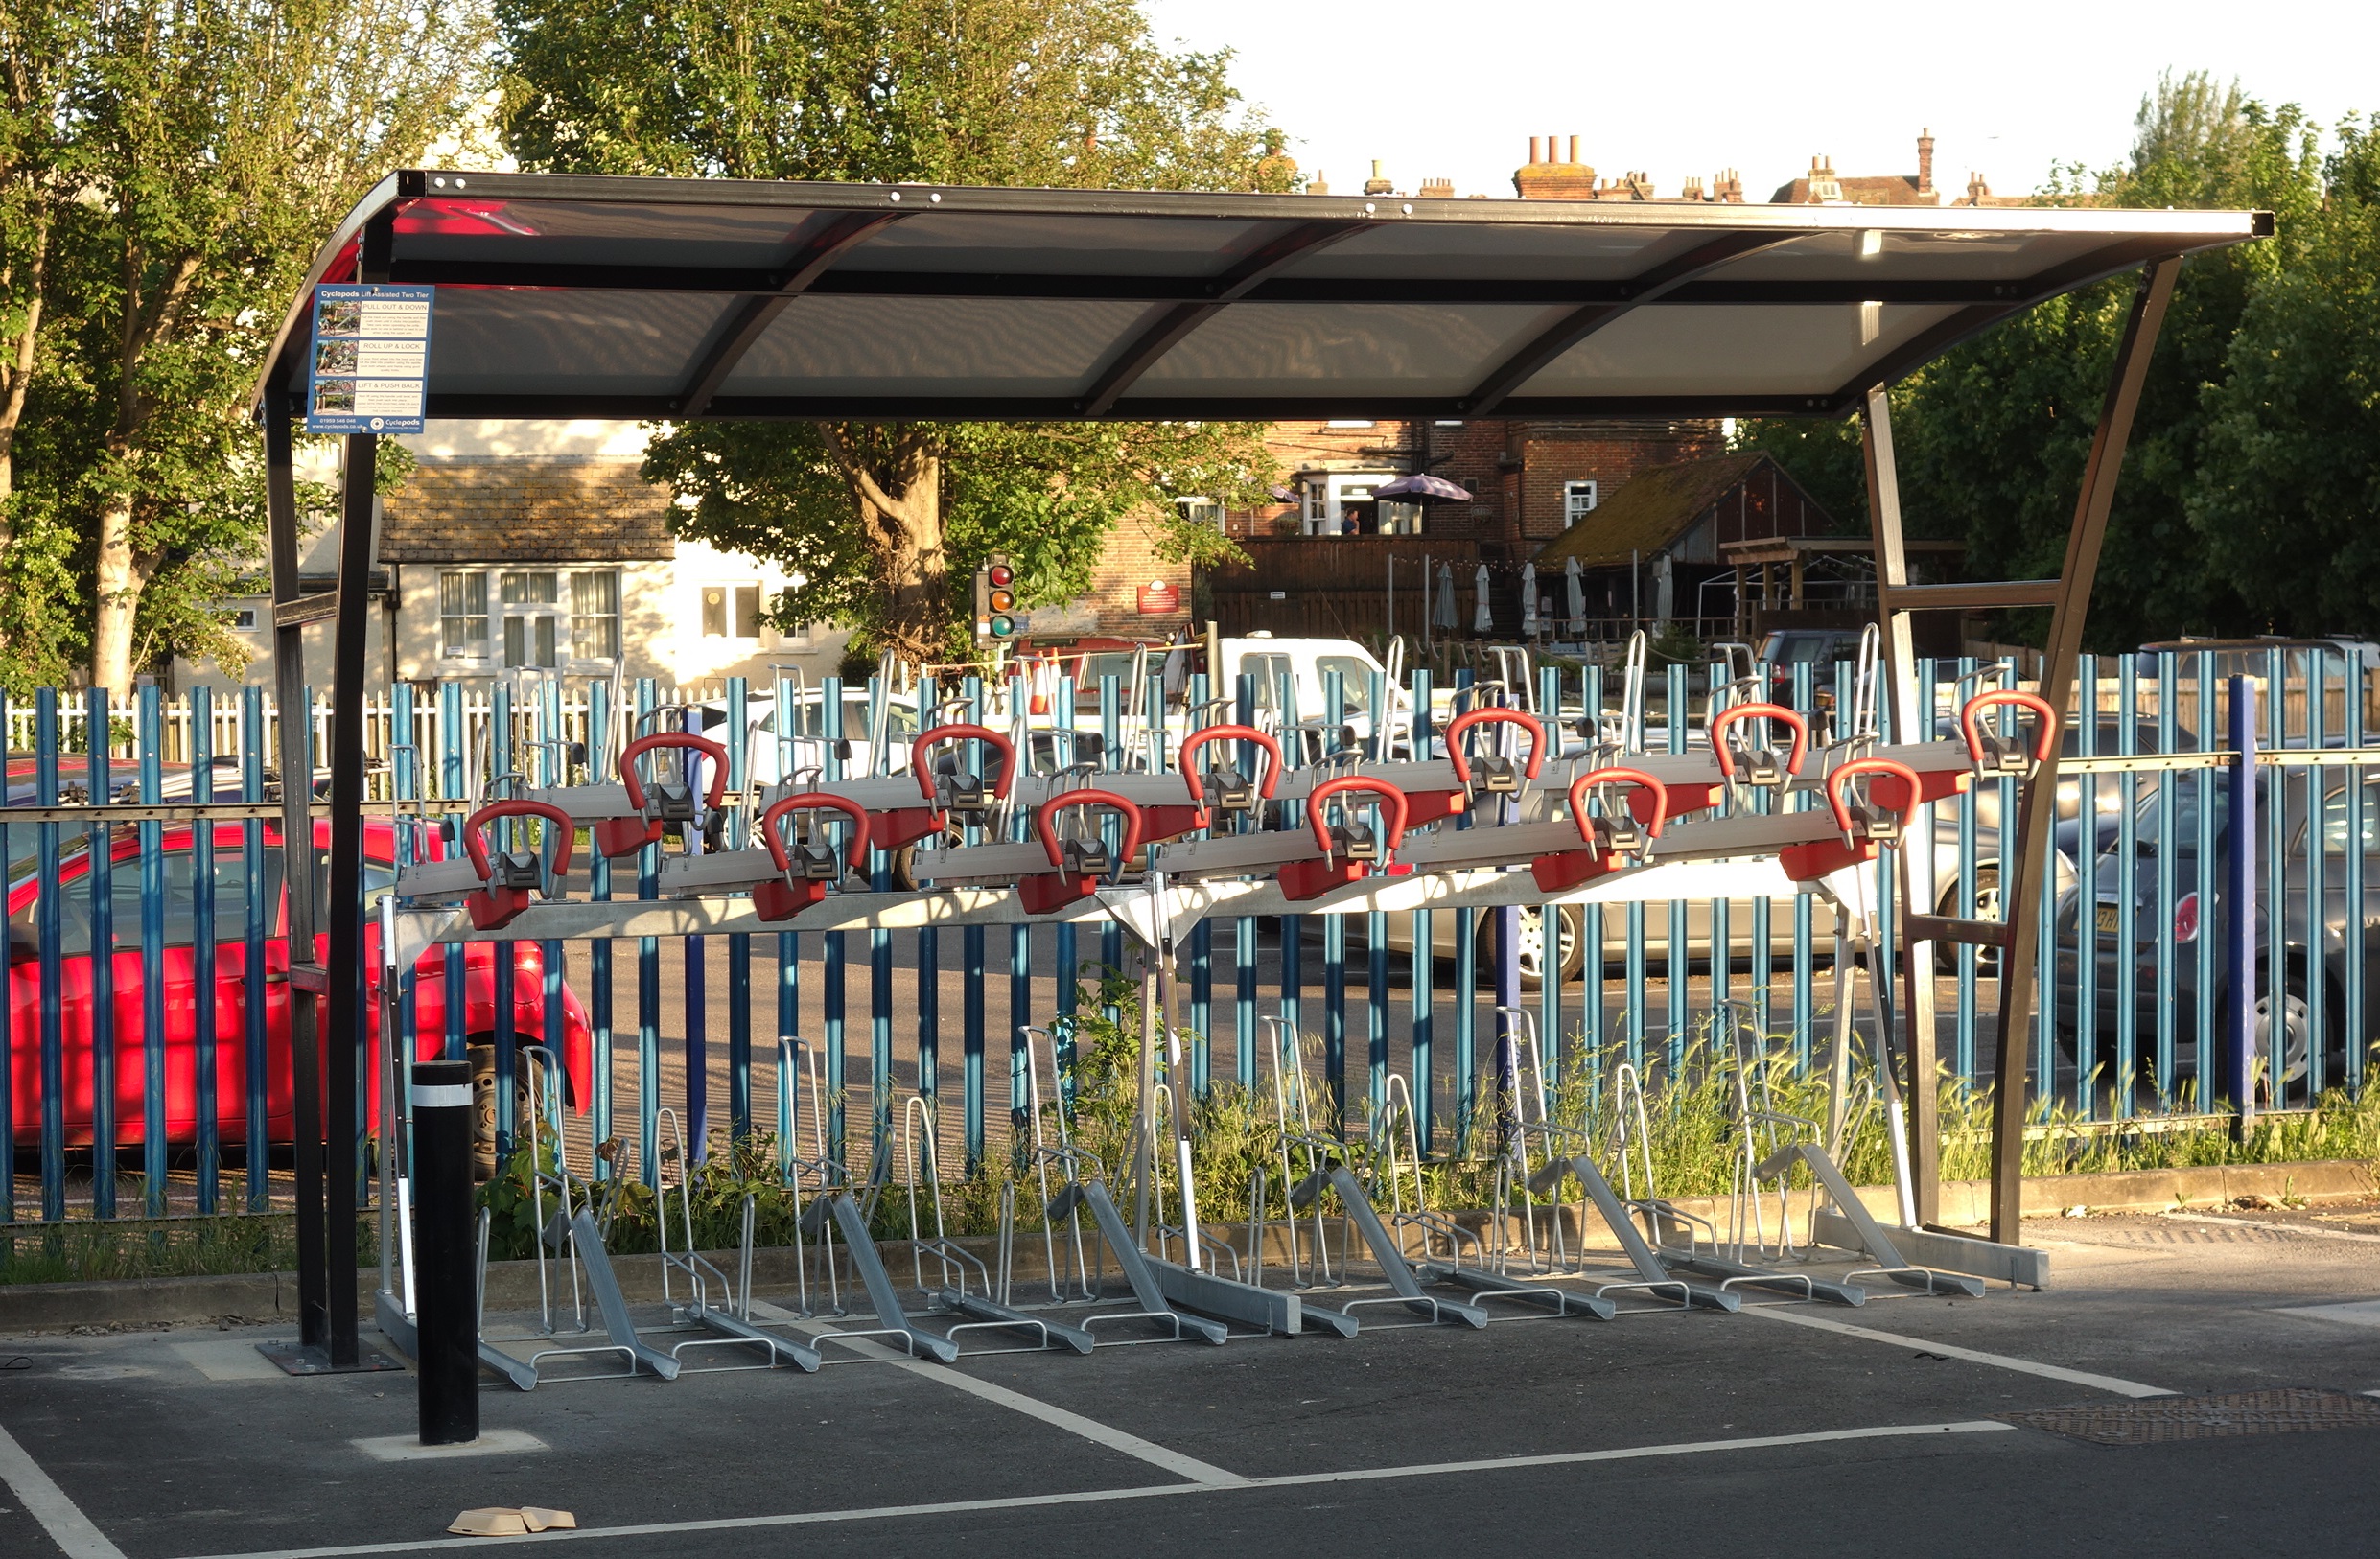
<point x="997" y="616"/>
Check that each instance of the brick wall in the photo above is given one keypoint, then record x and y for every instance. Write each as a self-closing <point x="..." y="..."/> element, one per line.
<point x="1129" y="562"/>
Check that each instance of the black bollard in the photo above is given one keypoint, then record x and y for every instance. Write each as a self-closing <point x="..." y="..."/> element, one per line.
<point x="445" y="1283"/>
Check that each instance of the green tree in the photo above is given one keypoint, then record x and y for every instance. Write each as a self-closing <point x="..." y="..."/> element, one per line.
<point x="2288" y="500"/>
<point x="882" y="520"/>
<point x="1993" y="436"/>
<point x="214" y="144"/>
<point x="1045" y="495"/>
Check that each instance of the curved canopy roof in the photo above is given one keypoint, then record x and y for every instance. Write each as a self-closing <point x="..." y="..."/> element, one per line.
<point x="664" y="298"/>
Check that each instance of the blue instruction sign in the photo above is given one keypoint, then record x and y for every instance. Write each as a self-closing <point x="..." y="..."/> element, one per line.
<point x="370" y="368"/>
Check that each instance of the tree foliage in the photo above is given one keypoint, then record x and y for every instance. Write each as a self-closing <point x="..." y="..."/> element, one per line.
<point x="883" y="520"/>
<point x="1993" y="438"/>
<point x="210" y="147"/>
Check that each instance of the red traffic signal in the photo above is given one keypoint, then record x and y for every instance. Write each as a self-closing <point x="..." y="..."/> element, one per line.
<point x="1001" y="576"/>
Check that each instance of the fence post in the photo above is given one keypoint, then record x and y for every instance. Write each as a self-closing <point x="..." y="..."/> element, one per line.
<point x="2239" y="892"/>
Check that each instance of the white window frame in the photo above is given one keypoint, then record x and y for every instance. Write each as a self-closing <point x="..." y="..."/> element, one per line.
<point x="732" y="587"/>
<point x="1573" y="511"/>
<point x="490" y="654"/>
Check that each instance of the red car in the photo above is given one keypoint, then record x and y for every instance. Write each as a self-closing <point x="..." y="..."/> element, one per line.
<point x="177" y="957"/>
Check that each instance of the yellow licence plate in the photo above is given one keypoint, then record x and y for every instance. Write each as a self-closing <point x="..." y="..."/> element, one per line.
<point x="2107" y="920"/>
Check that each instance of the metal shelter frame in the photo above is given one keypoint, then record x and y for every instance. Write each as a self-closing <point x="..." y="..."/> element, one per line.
<point x="779" y="301"/>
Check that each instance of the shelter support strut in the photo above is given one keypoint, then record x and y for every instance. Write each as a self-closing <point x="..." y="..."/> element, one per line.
<point x="2021" y="875"/>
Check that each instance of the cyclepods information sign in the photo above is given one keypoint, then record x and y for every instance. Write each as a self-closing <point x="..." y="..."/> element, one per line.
<point x="372" y="360"/>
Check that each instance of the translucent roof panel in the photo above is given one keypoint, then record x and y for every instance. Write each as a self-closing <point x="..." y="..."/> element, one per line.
<point x="1791" y="349"/>
<point x="568" y="295"/>
<point x="1259" y="349"/>
<point x="523" y="341"/>
<point x="826" y="346"/>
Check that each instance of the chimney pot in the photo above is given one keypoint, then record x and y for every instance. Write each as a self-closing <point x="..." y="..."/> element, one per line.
<point x="1926" y="162"/>
<point x="1573" y="148"/>
<point x="1537" y="149"/>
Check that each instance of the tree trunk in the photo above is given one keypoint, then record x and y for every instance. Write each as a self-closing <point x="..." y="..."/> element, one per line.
<point x="900" y="496"/>
<point x="117" y="587"/>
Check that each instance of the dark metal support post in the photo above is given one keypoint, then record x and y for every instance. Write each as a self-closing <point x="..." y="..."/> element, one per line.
<point x="2238" y="1075"/>
<point x="296" y="769"/>
<point x="345" y="964"/>
<point x="2021" y="873"/>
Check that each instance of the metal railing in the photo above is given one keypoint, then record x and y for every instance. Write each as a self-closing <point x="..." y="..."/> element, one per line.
<point x="146" y="1030"/>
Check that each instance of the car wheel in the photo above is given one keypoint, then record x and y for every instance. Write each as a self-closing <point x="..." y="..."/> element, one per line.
<point x="1529" y="956"/>
<point x="1986" y="906"/>
<point x="482" y="1058"/>
<point x="2297" y="1039"/>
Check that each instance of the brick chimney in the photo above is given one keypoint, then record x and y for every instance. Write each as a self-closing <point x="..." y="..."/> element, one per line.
<point x="1925" y="163"/>
<point x="1728" y="187"/>
<point x="1437" y="189"/>
<point x="1548" y="177"/>
<point x="1319" y="184"/>
<point x="1978" y="193"/>
<point x="1378" y="184"/>
<point x="1823" y="186"/>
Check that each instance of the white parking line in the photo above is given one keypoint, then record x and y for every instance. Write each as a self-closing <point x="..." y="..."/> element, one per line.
<point x="1031" y="1501"/>
<point x="47" y="1503"/>
<point x="1090" y="1429"/>
<point x="1998" y="1361"/>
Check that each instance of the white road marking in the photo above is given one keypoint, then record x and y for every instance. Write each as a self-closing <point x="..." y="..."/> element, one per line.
<point x="1998" y="1361"/>
<point x="2357" y="1313"/>
<point x="1030" y="1502"/>
<point x="498" y="1442"/>
<point x="47" y="1503"/>
<point x="1090" y="1429"/>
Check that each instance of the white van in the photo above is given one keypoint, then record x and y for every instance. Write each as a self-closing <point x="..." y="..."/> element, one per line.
<point x="1304" y="663"/>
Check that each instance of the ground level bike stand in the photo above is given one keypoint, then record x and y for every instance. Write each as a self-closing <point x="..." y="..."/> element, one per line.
<point x="733" y="1329"/>
<point x="862" y="1246"/>
<point x="1706" y="1264"/>
<point x="1144" y="1272"/>
<point x="1495" y="1286"/>
<point x="1404" y="1287"/>
<point x="1863" y="1231"/>
<point x="992" y="1313"/>
<point x="1653" y="1277"/>
<point x="1943" y="1250"/>
<point x="610" y="1303"/>
<point x="398" y="1328"/>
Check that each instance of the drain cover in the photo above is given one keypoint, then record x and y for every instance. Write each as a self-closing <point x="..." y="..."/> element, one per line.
<point x="2283" y="1411"/>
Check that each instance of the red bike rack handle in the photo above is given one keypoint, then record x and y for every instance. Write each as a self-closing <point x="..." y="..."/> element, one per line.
<point x="713" y="796"/>
<point x="1884" y="768"/>
<point x="1197" y="739"/>
<point x="814" y="801"/>
<point x="923" y="748"/>
<point x="1464" y="721"/>
<point x="1046" y="820"/>
<point x="1391" y="802"/>
<point x="2045" y="720"/>
<point x="1638" y="778"/>
<point x="1734" y="712"/>
<point x="477" y="847"/>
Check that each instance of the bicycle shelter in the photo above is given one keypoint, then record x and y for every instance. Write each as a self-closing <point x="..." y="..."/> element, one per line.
<point x="677" y="299"/>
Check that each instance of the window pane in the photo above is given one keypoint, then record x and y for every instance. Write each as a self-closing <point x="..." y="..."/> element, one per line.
<point x="594" y="616"/>
<point x="714" y="610"/>
<point x="529" y="590"/>
<point x="748" y="611"/>
<point x="545" y="640"/>
<point x="124" y="897"/>
<point x="516" y="641"/>
<point x="1356" y="679"/>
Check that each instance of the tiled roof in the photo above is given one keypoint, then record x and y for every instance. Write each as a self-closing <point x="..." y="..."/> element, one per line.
<point x="1650" y="512"/>
<point x="1862" y="190"/>
<point x="534" y="510"/>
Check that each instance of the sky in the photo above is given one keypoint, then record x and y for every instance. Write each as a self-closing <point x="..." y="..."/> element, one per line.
<point x="1455" y="90"/>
